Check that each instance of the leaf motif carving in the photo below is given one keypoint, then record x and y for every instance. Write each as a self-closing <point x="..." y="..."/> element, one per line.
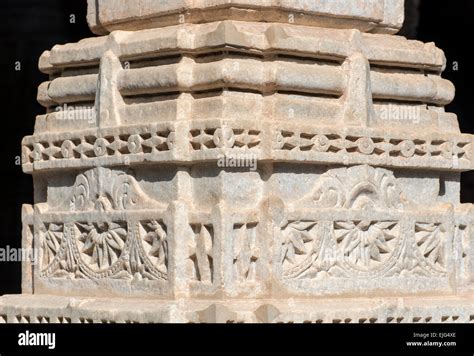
<point x="102" y="243"/>
<point x="51" y="242"/>
<point x="430" y="242"/>
<point x="298" y="247"/>
<point x="365" y="244"/>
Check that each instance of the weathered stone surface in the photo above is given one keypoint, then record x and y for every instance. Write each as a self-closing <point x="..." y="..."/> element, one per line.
<point x="226" y="74"/>
<point x="381" y="16"/>
<point x="54" y="309"/>
<point x="241" y="171"/>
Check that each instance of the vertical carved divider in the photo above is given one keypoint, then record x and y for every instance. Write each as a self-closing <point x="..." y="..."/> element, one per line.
<point x="451" y="262"/>
<point x="461" y="230"/>
<point x="220" y="224"/>
<point x="227" y="229"/>
<point x="179" y="235"/>
<point x="407" y="230"/>
<point x="264" y="243"/>
<point x="273" y="220"/>
<point x="108" y="97"/>
<point x="358" y="106"/>
<point x="27" y="242"/>
<point x="463" y="248"/>
<point x="470" y="253"/>
<point x="244" y="265"/>
<point x="36" y="244"/>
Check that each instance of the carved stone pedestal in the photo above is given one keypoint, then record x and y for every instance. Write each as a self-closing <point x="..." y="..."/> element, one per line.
<point x="227" y="161"/>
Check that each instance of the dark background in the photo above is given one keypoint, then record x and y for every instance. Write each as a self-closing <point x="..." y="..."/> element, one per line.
<point x="28" y="27"/>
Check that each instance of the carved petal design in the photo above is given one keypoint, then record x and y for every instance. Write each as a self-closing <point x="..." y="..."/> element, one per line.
<point x="300" y="245"/>
<point x="430" y="240"/>
<point x="102" y="244"/>
<point x="52" y="239"/>
<point x="366" y="245"/>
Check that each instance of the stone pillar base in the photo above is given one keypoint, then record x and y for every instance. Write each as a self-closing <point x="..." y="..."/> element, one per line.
<point x="59" y="309"/>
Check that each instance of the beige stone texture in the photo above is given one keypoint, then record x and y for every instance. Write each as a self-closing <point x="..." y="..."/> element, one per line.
<point x="379" y="16"/>
<point x="228" y="169"/>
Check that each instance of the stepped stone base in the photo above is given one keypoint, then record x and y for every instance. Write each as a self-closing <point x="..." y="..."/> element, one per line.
<point x="59" y="309"/>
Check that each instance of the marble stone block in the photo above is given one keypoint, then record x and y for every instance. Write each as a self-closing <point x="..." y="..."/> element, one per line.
<point x="211" y="161"/>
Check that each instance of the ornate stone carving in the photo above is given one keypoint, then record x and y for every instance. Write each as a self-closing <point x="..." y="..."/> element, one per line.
<point x="52" y="238"/>
<point x="107" y="249"/>
<point x="149" y="251"/>
<point x="101" y="244"/>
<point x="201" y="253"/>
<point x="103" y="189"/>
<point x="355" y="191"/>
<point x="366" y="245"/>
<point x="430" y="241"/>
<point x="300" y="246"/>
<point x="358" y="188"/>
<point x="245" y="251"/>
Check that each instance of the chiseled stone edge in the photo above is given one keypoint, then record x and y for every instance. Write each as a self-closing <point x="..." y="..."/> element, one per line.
<point x="295" y="40"/>
<point x="190" y="76"/>
<point x="381" y="16"/>
<point x="268" y="147"/>
<point x="59" y="309"/>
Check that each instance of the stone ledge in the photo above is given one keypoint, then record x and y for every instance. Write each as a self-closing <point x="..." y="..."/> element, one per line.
<point x="381" y="16"/>
<point x="257" y="38"/>
<point x="58" y="309"/>
<point x="273" y="141"/>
